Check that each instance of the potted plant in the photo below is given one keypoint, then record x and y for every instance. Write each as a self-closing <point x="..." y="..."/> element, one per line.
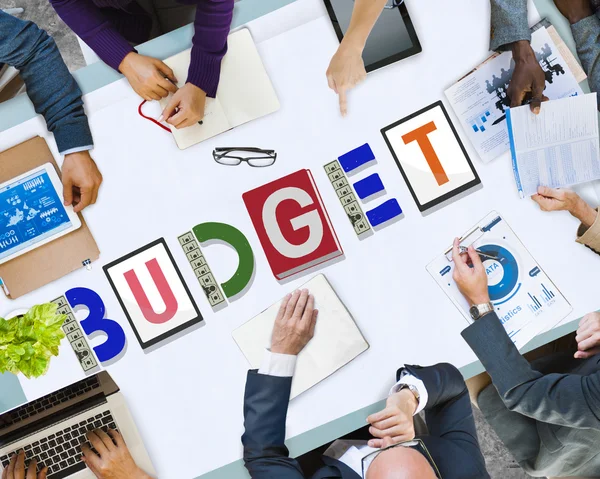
<point x="28" y="341"/>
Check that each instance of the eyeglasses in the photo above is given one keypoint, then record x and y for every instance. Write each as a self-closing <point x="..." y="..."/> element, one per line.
<point x="392" y="4"/>
<point x="417" y="444"/>
<point x="256" y="157"/>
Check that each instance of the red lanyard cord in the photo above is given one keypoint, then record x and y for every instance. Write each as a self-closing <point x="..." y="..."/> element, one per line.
<point x="150" y="118"/>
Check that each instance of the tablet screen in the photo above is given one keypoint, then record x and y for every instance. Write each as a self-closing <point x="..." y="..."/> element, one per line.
<point x="392" y="38"/>
<point x="430" y="155"/>
<point x="30" y="211"/>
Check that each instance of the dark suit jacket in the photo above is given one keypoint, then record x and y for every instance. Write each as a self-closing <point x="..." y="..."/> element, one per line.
<point x="547" y="413"/>
<point x="452" y="439"/>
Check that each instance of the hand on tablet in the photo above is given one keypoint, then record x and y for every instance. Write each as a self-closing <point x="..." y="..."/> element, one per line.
<point x="527" y="76"/>
<point x="557" y="199"/>
<point x="149" y="77"/>
<point x="346" y="70"/>
<point x="81" y="180"/>
<point x="295" y="323"/>
<point x="469" y="275"/>
<point x="112" y="460"/>
<point x="186" y="107"/>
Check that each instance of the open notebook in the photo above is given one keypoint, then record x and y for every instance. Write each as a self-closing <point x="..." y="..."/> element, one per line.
<point x="336" y="342"/>
<point x="245" y="91"/>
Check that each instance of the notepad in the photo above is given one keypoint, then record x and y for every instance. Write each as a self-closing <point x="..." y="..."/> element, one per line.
<point x="556" y="148"/>
<point x="245" y="91"/>
<point x="336" y="342"/>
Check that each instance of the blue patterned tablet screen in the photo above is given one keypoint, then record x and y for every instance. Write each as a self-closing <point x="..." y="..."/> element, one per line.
<point x="30" y="211"/>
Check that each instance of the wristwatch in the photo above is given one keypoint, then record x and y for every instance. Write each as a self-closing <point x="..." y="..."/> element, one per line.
<point x="412" y="389"/>
<point x="479" y="310"/>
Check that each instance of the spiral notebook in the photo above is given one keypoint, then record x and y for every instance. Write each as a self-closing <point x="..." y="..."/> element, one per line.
<point x="245" y="91"/>
<point x="336" y="342"/>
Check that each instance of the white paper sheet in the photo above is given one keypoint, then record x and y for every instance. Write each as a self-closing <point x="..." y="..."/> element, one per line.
<point x="556" y="148"/>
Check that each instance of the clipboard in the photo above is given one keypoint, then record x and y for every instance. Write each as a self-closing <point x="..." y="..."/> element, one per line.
<point x="525" y="299"/>
<point x="55" y="259"/>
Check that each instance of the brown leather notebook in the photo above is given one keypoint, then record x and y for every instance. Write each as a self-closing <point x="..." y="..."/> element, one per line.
<point x="55" y="259"/>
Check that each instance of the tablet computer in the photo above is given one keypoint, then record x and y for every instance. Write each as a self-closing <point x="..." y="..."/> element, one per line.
<point x="32" y="212"/>
<point x="432" y="159"/>
<point x="393" y="37"/>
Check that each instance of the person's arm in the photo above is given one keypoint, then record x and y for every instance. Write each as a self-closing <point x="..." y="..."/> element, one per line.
<point x="508" y="24"/>
<point x="568" y="400"/>
<point x="560" y="199"/>
<point x="92" y="26"/>
<point x="211" y="27"/>
<point x="510" y="31"/>
<point x="347" y="68"/>
<point x="564" y="399"/>
<point x="585" y="27"/>
<point x="51" y="88"/>
<point x="268" y="392"/>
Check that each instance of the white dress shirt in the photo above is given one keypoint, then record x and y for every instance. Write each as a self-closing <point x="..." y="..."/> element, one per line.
<point x="283" y="365"/>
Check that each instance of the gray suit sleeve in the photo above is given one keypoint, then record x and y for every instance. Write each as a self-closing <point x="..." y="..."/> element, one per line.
<point x="586" y="33"/>
<point x="509" y="23"/>
<point x="564" y="399"/>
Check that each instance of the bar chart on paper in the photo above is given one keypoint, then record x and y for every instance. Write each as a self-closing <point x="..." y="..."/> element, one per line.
<point x="478" y="122"/>
<point x="546" y="296"/>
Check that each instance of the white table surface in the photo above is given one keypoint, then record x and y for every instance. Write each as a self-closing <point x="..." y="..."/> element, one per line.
<point x="186" y="396"/>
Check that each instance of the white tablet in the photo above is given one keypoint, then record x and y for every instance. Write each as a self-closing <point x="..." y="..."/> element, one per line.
<point x="32" y="212"/>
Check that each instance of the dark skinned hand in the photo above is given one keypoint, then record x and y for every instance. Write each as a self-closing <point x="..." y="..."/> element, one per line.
<point x="528" y="77"/>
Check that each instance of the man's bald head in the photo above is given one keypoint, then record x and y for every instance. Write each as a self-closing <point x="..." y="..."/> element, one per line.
<point x="400" y="463"/>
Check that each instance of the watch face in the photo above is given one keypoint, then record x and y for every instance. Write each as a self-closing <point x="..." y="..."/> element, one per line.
<point x="474" y="311"/>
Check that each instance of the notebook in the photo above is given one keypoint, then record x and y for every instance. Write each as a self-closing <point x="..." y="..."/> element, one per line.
<point x="292" y="224"/>
<point x="336" y="342"/>
<point x="245" y="91"/>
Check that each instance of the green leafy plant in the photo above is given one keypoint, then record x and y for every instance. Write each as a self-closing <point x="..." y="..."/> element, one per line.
<point x="28" y="342"/>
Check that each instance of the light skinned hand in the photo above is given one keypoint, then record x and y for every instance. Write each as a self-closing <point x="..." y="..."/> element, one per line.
<point x="527" y="76"/>
<point x="588" y="336"/>
<point x="346" y="70"/>
<point x="81" y="180"/>
<point x="186" y="107"/>
<point x="557" y="199"/>
<point x="149" y="77"/>
<point x="395" y="421"/>
<point x="113" y="460"/>
<point x="471" y="279"/>
<point x="295" y="323"/>
<point x="16" y="469"/>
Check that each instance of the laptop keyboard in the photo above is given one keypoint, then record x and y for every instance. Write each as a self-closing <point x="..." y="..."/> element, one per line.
<point x="61" y="451"/>
<point x="49" y="401"/>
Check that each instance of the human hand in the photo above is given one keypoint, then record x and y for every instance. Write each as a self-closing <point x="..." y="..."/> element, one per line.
<point x="81" y="180"/>
<point x="557" y="199"/>
<point x="588" y="336"/>
<point x="186" y="107"/>
<point x="113" y="460"/>
<point x="346" y="70"/>
<point x="574" y="10"/>
<point x="527" y="76"/>
<point x="16" y="469"/>
<point x="471" y="279"/>
<point x="146" y="76"/>
<point x="395" y="421"/>
<point x="295" y="323"/>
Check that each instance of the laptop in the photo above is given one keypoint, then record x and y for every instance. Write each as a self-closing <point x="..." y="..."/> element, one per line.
<point x="52" y="429"/>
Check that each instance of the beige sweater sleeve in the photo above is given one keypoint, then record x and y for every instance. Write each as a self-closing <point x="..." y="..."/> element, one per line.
<point x="590" y="237"/>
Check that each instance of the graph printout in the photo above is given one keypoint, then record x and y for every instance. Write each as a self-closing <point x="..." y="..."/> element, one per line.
<point x="30" y="211"/>
<point x="480" y="99"/>
<point x="525" y="299"/>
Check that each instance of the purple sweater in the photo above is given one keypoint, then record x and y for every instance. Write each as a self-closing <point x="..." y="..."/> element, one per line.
<point x="108" y="27"/>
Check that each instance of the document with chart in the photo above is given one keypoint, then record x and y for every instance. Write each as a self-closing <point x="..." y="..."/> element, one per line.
<point x="525" y="299"/>
<point x="480" y="99"/>
<point x="556" y="148"/>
